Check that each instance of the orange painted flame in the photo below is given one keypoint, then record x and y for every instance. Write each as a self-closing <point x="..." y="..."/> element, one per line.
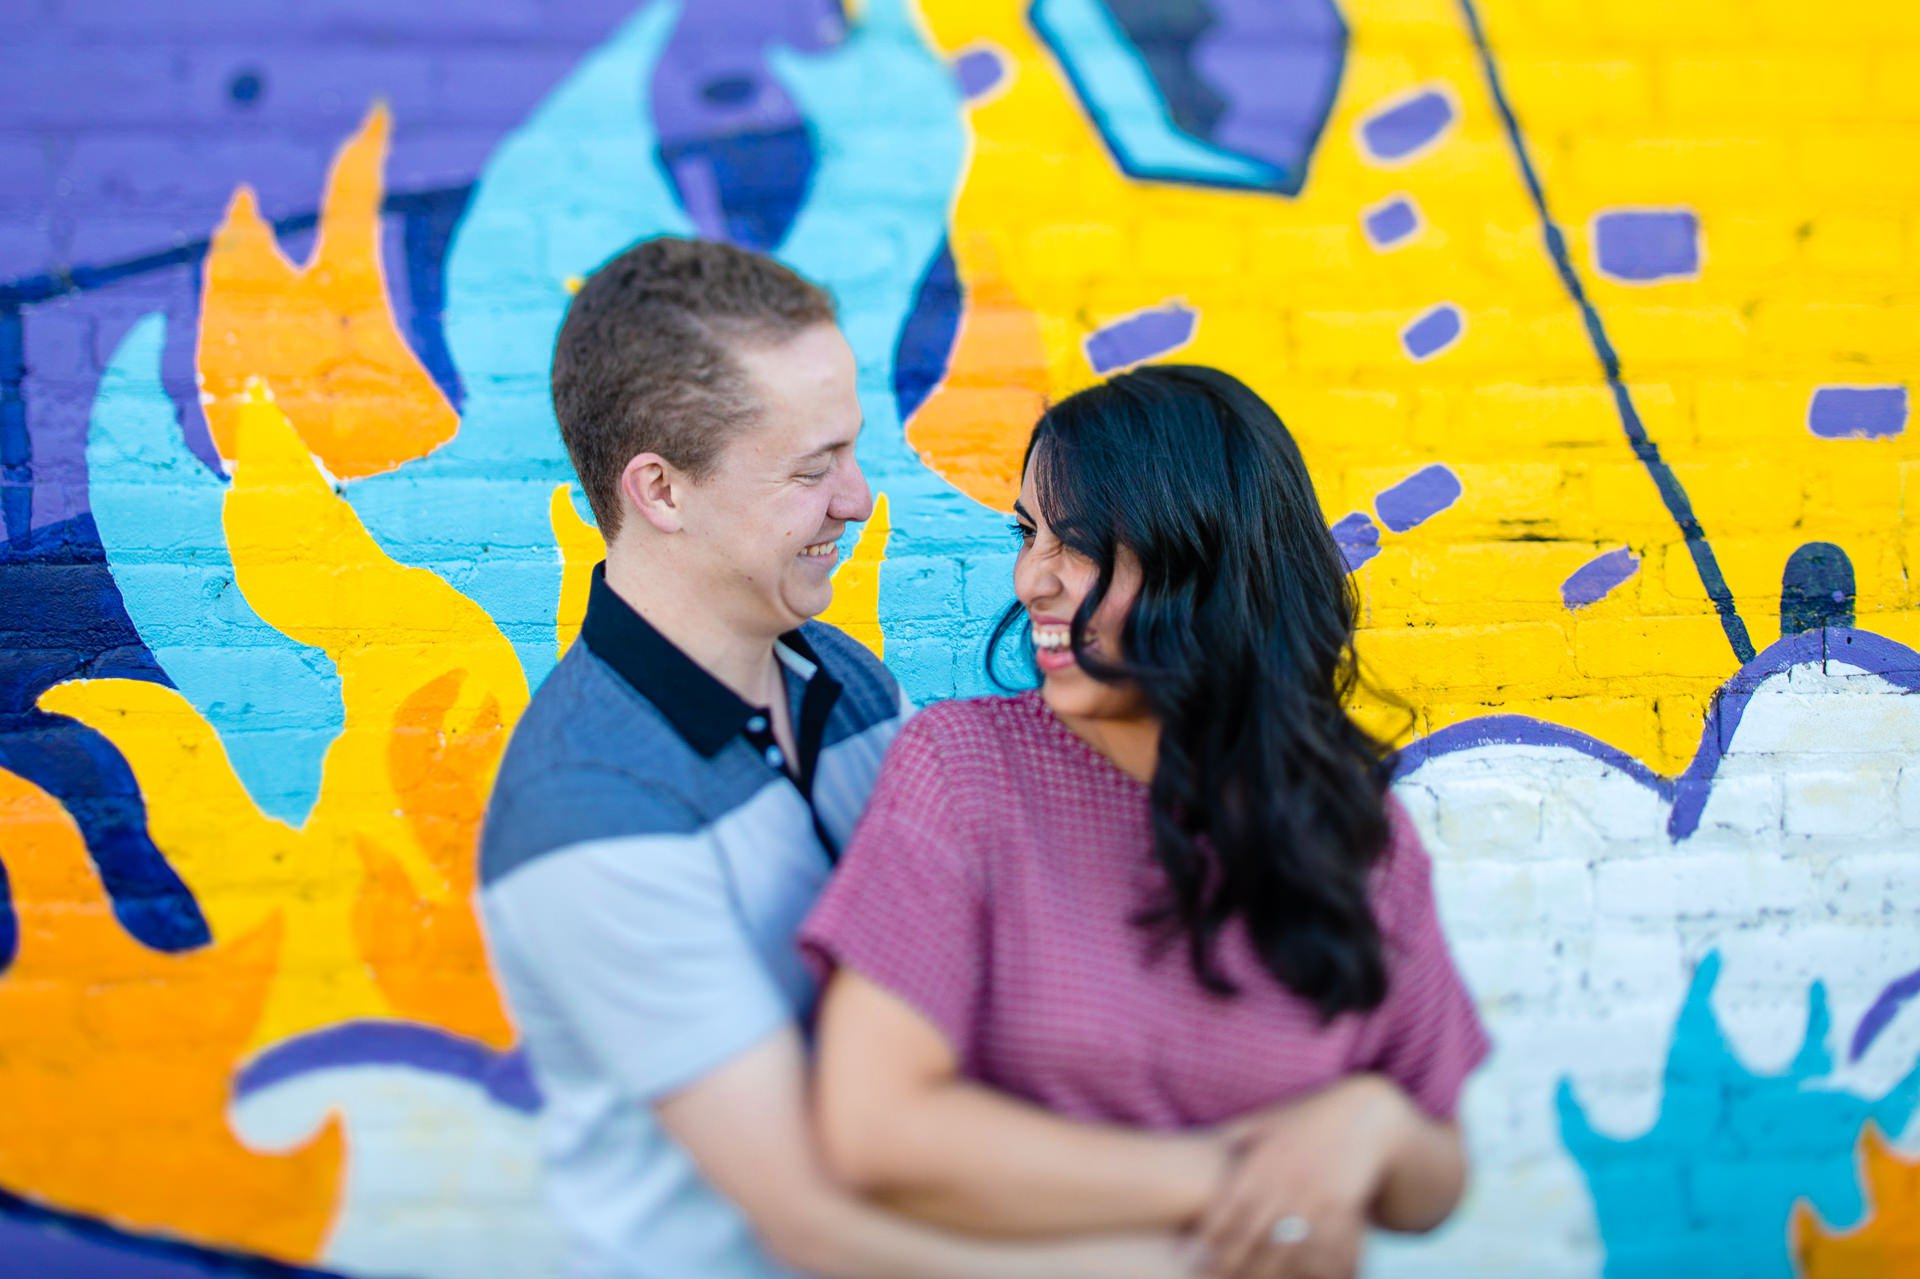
<point x="116" y="1060"/>
<point x="321" y="336"/>
<point x="972" y="430"/>
<point x="1887" y="1243"/>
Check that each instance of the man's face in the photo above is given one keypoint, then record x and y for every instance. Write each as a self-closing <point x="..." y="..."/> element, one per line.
<point x="764" y="524"/>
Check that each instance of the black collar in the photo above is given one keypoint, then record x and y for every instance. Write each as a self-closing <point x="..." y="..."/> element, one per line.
<point x="704" y="711"/>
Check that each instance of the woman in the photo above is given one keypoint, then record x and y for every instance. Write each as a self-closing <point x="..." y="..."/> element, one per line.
<point x="1151" y="946"/>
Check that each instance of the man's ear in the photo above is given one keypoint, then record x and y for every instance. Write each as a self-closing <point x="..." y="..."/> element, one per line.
<point x="651" y="486"/>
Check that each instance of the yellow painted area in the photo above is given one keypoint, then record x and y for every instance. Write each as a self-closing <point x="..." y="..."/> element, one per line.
<point x="322" y="335"/>
<point x="856" y="583"/>
<point x="581" y="547"/>
<point x="1789" y="131"/>
<point x="117" y="1062"/>
<point x="429" y="686"/>
<point x="1463" y="614"/>
<point x="1887" y="1244"/>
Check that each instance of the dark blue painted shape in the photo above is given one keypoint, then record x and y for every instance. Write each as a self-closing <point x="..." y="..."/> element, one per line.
<point x="733" y="141"/>
<point x="38" y="1242"/>
<point x="16" y="446"/>
<point x="747" y="188"/>
<point x="926" y="339"/>
<point x="1644" y="245"/>
<point x="430" y="220"/>
<point x="1404" y="128"/>
<point x="61" y="618"/>
<point x="1816" y="589"/>
<point x="246" y="87"/>
<point x="1164" y="33"/>
<point x="1237" y="94"/>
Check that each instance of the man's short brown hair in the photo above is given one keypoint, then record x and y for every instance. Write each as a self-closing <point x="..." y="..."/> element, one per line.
<point x="644" y="362"/>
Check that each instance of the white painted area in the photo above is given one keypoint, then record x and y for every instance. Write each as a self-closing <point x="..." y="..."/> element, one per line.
<point x="1580" y="944"/>
<point x="441" y="1183"/>
<point x="1575" y="919"/>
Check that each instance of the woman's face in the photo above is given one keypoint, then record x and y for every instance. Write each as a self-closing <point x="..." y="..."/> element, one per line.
<point x="1051" y="580"/>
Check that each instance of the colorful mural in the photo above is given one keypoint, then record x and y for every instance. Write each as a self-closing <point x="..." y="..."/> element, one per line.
<point x="1597" y="325"/>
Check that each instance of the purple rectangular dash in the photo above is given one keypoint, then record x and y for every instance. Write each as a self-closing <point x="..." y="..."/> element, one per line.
<point x="1418" y="498"/>
<point x="979" y="70"/>
<point x="1400" y="130"/>
<point x="1392" y="222"/>
<point x="1140" y="337"/>
<point x="1644" y="245"/>
<point x="1857" y="412"/>
<point x="1433" y="332"/>
<point x="1596" y="579"/>
<point x="1357" y="537"/>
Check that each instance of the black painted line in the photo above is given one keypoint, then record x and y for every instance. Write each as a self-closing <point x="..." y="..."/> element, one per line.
<point x="81" y="279"/>
<point x="1671" y="491"/>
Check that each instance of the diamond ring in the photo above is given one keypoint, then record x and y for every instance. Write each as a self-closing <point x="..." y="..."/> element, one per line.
<point x="1290" y="1229"/>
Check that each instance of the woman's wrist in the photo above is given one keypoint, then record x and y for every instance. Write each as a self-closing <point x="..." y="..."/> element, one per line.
<point x="1384" y="1123"/>
<point x="1197" y="1165"/>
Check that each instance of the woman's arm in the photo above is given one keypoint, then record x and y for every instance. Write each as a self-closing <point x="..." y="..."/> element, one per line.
<point x="745" y="1125"/>
<point x="1356" y="1152"/>
<point x="898" y="1122"/>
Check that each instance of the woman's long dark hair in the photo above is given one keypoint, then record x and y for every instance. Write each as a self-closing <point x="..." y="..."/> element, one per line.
<point x="1268" y="800"/>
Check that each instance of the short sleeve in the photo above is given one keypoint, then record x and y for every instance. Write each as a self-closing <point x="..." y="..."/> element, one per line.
<point x="635" y="943"/>
<point x="907" y="907"/>
<point x="1426" y="1036"/>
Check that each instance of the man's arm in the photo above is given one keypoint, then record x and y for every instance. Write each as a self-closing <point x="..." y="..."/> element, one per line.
<point x="899" y="1123"/>
<point x="745" y="1125"/>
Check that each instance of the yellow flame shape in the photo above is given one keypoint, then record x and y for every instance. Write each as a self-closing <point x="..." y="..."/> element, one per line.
<point x="429" y="686"/>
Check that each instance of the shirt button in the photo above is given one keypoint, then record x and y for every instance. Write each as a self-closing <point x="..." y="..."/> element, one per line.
<point x="758" y="724"/>
<point x="774" y="757"/>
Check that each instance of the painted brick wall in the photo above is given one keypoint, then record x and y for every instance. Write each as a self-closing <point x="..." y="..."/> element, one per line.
<point x="1598" y="324"/>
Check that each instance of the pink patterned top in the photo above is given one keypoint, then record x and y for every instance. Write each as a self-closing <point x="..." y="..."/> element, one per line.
<point x="991" y="885"/>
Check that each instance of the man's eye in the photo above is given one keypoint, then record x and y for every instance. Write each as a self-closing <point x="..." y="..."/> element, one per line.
<point x="813" y="477"/>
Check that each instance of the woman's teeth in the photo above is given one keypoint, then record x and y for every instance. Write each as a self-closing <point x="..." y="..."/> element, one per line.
<point x="1052" y="639"/>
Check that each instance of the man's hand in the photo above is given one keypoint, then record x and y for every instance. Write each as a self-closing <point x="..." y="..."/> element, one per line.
<point x="1295" y="1204"/>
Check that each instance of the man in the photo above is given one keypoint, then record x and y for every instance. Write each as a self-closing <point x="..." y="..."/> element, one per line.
<point x="672" y="801"/>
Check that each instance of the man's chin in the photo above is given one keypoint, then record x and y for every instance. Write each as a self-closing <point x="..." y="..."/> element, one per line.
<point x="805" y="604"/>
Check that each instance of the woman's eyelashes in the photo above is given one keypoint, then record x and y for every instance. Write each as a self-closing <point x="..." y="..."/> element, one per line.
<point x="1022" y="533"/>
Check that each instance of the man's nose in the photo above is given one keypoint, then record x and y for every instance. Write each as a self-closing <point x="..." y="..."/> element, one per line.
<point x="853" y="501"/>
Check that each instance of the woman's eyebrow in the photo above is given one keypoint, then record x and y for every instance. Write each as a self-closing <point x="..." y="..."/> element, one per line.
<point x="1021" y="511"/>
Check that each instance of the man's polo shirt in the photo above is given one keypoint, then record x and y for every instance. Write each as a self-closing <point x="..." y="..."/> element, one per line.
<point x="645" y="863"/>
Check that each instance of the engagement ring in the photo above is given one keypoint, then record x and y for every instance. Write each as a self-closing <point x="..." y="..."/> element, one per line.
<point x="1291" y="1229"/>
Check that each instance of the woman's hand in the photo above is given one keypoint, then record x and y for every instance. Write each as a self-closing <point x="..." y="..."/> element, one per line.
<point x="1295" y="1203"/>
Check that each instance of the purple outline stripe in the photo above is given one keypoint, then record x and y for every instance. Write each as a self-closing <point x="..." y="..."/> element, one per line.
<point x="1687" y="794"/>
<point x="504" y="1076"/>
<point x="1524" y="730"/>
<point x="1880" y="1015"/>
